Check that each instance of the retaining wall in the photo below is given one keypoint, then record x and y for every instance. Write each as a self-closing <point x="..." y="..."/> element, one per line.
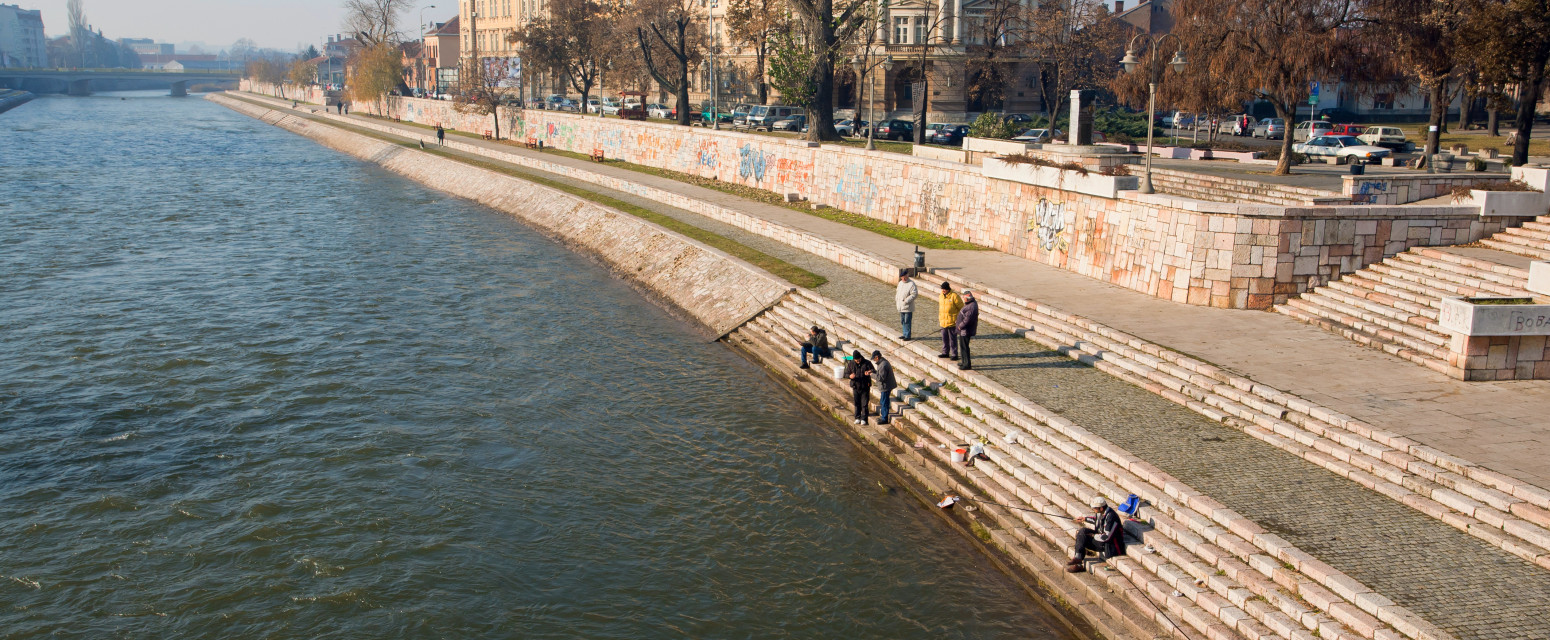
<point x="709" y="286"/>
<point x="1233" y="256"/>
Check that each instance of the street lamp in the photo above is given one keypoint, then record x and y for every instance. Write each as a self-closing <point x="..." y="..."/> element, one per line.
<point x="1132" y="63"/>
<point x="421" y="61"/>
<point x="715" y="120"/>
<point x="864" y="66"/>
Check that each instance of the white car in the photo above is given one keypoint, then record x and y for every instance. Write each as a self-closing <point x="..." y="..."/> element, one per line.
<point x="610" y="108"/>
<point x="850" y="127"/>
<point x="658" y="111"/>
<point x="1343" y="148"/>
<point x="1039" y="135"/>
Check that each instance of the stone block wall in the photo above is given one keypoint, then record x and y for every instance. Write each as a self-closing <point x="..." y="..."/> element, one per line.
<point x="1406" y="189"/>
<point x="1486" y="358"/>
<point x="1237" y="256"/>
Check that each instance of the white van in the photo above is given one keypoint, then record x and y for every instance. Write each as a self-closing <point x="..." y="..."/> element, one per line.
<point x="761" y="117"/>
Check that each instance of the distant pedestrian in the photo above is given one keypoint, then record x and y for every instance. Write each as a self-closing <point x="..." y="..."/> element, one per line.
<point x="344" y="108"/>
<point x="859" y="372"/>
<point x="886" y="384"/>
<point x="816" y="345"/>
<point x="441" y="136"/>
<point x="904" y="298"/>
<point x="948" y="306"/>
<point x="1106" y="536"/>
<point x="965" y="325"/>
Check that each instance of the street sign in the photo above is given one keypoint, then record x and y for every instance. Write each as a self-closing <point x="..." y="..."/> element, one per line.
<point x="1313" y="93"/>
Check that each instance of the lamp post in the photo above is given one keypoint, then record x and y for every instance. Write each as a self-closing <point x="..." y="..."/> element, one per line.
<point x="715" y="120"/>
<point x="421" y="61"/>
<point x="1132" y="63"/>
<point x="863" y="68"/>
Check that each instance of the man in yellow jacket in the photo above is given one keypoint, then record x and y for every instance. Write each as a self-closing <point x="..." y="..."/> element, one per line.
<point x="948" y="306"/>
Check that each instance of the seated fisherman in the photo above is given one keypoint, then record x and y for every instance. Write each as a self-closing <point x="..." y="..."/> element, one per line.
<point x="816" y="345"/>
<point x="1106" y="537"/>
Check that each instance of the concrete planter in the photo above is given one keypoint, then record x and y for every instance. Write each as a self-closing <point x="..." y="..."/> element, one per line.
<point x="1539" y="277"/>
<point x="1093" y="184"/>
<point x="1486" y="316"/>
<point x="940" y="153"/>
<point x="1528" y="204"/>
<point x="992" y="145"/>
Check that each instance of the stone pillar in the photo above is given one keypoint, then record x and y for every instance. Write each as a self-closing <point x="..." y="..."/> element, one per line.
<point x="80" y="87"/>
<point x="180" y="89"/>
<point x="957" y="21"/>
<point x="1081" y="125"/>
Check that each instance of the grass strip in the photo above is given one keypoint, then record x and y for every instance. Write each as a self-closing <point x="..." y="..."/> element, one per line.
<point x="780" y="268"/>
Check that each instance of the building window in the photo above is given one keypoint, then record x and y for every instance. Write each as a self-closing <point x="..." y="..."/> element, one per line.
<point x="920" y="30"/>
<point x="901" y="30"/>
<point x="1383" y="101"/>
<point x="1119" y="6"/>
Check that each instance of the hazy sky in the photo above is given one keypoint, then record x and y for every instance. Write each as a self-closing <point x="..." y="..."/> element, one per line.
<point x="281" y="24"/>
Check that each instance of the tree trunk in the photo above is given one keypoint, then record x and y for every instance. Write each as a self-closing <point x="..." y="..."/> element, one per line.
<point x="683" y="90"/>
<point x="1524" y="122"/>
<point x="1439" y="93"/>
<point x="820" y="123"/>
<point x="495" y="115"/>
<point x="1284" y="165"/>
<point x="764" y="88"/>
<point x="1466" y="110"/>
<point x="1490" y="122"/>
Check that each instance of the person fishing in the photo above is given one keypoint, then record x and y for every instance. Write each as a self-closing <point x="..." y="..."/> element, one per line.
<point x="816" y="345"/>
<point x="859" y="372"/>
<point x="1106" y="537"/>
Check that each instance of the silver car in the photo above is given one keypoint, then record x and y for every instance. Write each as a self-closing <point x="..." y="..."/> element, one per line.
<point x="1270" y="129"/>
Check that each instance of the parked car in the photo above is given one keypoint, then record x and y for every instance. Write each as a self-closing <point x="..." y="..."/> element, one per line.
<point x="797" y="122"/>
<point x="763" y="117"/>
<point x="849" y="127"/>
<point x="656" y="110"/>
<point x="1305" y="131"/>
<point x="1386" y="137"/>
<point x="593" y="104"/>
<point x="611" y="107"/>
<point x="1343" y="148"/>
<point x="1039" y="135"/>
<point x="1239" y="125"/>
<point x="894" y="130"/>
<point x="951" y="135"/>
<point x="723" y="114"/>
<point x="1270" y="129"/>
<point x="1017" y="118"/>
<point x="1346" y="130"/>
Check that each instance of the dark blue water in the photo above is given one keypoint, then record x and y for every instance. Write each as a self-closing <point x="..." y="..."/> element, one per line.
<point x="250" y="387"/>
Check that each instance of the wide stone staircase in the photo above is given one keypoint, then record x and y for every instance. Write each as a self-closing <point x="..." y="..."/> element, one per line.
<point x="1219" y="189"/>
<point x="1532" y="239"/>
<point x="1394" y="305"/>
<point x="1198" y="570"/>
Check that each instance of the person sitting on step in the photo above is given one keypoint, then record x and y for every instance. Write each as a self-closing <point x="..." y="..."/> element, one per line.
<point x="816" y="345"/>
<point x="1106" y="536"/>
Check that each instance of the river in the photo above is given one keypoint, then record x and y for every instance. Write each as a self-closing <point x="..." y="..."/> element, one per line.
<point x="251" y="387"/>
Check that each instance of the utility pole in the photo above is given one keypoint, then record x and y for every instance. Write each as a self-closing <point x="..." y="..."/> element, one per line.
<point x="710" y="16"/>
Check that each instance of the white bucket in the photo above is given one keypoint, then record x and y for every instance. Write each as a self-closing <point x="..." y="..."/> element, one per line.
<point x="959" y="455"/>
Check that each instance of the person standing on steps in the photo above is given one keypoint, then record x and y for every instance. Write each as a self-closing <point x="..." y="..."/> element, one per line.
<point x="1106" y="536"/>
<point x="965" y="326"/>
<point x="947" y="317"/>
<point x="904" y="298"/>
<point x="886" y="384"/>
<point x="816" y="345"/>
<point x="859" y="372"/>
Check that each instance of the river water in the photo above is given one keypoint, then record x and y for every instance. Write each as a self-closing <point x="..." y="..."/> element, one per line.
<point x="250" y="387"/>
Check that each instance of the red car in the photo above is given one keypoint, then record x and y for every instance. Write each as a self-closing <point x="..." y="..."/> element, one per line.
<point x="1346" y="130"/>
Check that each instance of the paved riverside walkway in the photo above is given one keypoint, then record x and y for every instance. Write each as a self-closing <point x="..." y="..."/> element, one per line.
<point x="1503" y="426"/>
<point x="1458" y="582"/>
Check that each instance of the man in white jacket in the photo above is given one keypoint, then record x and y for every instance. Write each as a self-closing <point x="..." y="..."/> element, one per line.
<point x="904" y="298"/>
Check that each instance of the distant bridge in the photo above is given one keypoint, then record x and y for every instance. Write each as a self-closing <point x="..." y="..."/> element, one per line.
<point x="79" y="80"/>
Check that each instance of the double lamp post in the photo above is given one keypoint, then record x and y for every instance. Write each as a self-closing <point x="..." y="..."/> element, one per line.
<point x="1133" y="63"/>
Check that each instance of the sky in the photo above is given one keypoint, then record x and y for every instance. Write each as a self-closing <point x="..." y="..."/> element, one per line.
<point x="277" y="24"/>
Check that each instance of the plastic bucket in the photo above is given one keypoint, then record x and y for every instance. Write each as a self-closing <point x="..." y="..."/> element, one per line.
<point x="959" y="455"/>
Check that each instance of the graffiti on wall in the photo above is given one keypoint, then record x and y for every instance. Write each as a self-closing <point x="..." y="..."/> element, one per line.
<point x="789" y="171"/>
<point x="708" y="154"/>
<point x="750" y="162"/>
<point x="1049" y="223"/>
<point x="1368" y="191"/>
<point x="856" y="187"/>
<point x="930" y="208"/>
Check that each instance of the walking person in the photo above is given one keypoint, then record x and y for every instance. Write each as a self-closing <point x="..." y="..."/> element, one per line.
<point x="859" y="372"/>
<point x="886" y="384"/>
<point x="904" y="298"/>
<point x="441" y="136"/>
<point x="948" y="306"/>
<point x="1106" y="536"/>
<point x="966" y="325"/>
<point x="816" y="345"/>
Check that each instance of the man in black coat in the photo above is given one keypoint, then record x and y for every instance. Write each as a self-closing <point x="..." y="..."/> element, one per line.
<point x="967" y="324"/>
<point x="886" y="384"/>
<point x="1106" y="536"/>
<point x="859" y="372"/>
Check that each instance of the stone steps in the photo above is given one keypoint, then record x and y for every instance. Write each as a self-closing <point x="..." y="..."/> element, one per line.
<point x="1428" y="263"/>
<point x="1055" y="461"/>
<point x="1219" y="189"/>
<point x="1520" y="244"/>
<point x="1415" y="310"/>
<point x="1381" y="314"/>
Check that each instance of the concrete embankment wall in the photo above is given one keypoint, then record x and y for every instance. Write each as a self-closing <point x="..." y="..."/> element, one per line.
<point x="12" y="99"/>
<point x="709" y="286"/>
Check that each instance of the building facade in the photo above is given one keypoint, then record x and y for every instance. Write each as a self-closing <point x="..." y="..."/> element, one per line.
<point x="442" y="44"/>
<point x="22" y="43"/>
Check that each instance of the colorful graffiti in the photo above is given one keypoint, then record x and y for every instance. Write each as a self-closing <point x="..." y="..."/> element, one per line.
<point x="856" y="186"/>
<point x="750" y="163"/>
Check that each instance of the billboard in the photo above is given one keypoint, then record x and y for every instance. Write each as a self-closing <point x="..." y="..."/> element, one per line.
<point x="504" y="72"/>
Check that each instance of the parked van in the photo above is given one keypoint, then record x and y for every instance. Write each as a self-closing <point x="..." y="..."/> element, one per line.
<point x="762" y="117"/>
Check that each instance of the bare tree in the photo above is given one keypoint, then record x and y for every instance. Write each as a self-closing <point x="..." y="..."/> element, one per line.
<point x="671" y="44"/>
<point x="374" y="72"/>
<point x="1268" y="49"/>
<point x="1425" y="38"/>
<point x="80" y="33"/>
<point x="574" y="40"/>
<point x="828" y="29"/>
<point x="1077" y="44"/>
<point x="995" y="43"/>
<point x="374" y="22"/>
<point x="479" y="89"/>
<point x="1510" y="42"/>
<point x="755" y="23"/>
